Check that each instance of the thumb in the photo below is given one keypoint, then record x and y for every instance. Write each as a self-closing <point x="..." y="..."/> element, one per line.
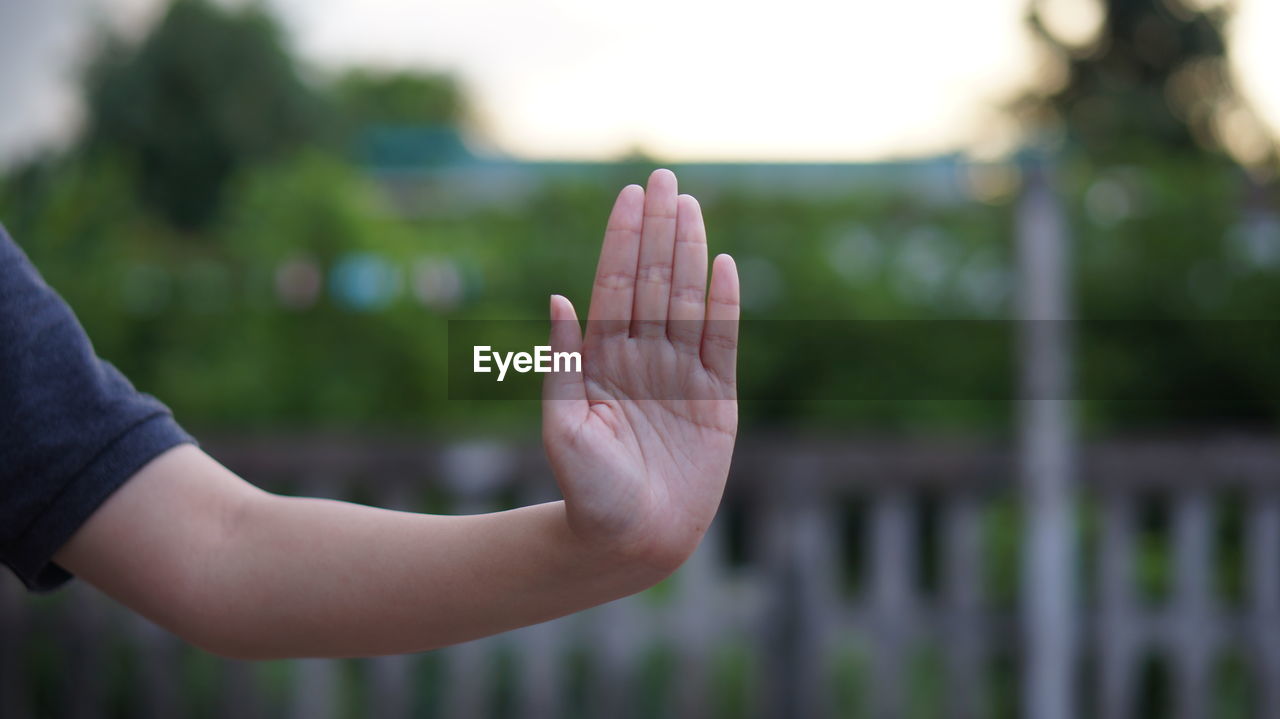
<point x="564" y="393"/>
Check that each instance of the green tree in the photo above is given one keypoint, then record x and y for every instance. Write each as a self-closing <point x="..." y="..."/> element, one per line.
<point x="368" y="97"/>
<point x="401" y="118"/>
<point x="1153" y="81"/>
<point x="210" y="90"/>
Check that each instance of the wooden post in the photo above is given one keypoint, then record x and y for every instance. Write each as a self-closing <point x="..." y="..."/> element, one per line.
<point x="540" y="648"/>
<point x="13" y="610"/>
<point x="1194" y="631"/>
<point x="88" y="633"/>
<point x="315" y="680"/>
<point x="794" y="542"/>
<point x="239" y="696"/>
<point x="1045" y="441"/>
<point x="1117" y="638"/>
<point x="892" y="555"/>
<point x="615" y="642"/>
<point x="1262" y="543"/>
<point x="695" y="616"/>
<point x="963" y="567"/>
<point x="157" y="654"/>
<point x="390" y="677"/>
<point x="474" y="473"/>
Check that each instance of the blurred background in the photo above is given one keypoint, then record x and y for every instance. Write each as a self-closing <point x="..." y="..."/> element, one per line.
<point x="266" y="214"/>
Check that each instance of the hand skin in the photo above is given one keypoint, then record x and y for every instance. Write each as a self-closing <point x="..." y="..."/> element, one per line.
<point x="640" y="443"/>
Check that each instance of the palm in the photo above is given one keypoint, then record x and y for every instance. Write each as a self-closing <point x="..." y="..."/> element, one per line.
<point x="641" y="439"/>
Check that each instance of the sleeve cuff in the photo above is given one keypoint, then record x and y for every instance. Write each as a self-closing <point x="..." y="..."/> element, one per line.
<point x="110" y="469"/>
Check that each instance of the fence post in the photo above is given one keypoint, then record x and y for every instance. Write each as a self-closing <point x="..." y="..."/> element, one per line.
<point x="13" y="610"/>
<point x="315" y="687"/>
<point x="1045" y="439"/>
<point x="1195" y="629"/>
<point x="88" y="632"/>
<point x="238" y="692"/>
<point x="1117" y="636"/>
<point x="1263" y="540"/>
<point x="474" y="472"/>
<point x="965" y="623"/>
<point x="390" y="677"/>
<point x="696" y="618"/>
<point x="157" y="653"/>
<point x="541" y="647"/>
<point x="794" y="544"/>
<point x="892" y="554"/>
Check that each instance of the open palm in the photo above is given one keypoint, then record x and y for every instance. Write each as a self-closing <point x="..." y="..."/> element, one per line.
<point x="641" y="439"/>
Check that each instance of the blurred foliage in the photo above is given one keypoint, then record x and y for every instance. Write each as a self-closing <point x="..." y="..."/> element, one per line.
<point x="222" y="242"/>
<point x="201" y="324"/>
<point x="208" y="92"/>
<point x="1152" y="83"/>
<point x="212" y="90"/>
<point x="366" y="98"/>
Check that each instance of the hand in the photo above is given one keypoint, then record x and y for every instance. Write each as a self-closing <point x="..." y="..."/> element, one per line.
<point x="641" y="439"/>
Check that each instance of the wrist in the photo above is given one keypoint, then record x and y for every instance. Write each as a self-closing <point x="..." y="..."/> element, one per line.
<point x="645" y="543"/>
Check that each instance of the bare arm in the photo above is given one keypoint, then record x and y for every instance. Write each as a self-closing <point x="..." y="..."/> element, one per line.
<point x="248" y="574"/>
<point x="640" y="442"/>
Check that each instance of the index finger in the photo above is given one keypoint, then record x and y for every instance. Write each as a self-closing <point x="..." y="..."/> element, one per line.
<point x="614" y="287"/>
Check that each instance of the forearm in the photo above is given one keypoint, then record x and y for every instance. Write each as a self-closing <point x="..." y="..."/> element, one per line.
<point x="244" y="573"/>
<point x="308" y="577"/>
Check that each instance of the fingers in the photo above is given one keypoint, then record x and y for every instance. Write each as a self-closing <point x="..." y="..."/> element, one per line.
<point x="720" y="332"/>
<point x="657" y="242"/>
<point x="614" y="288"/>
<point x="564" y="393"/>
<point x="689" y="276"/>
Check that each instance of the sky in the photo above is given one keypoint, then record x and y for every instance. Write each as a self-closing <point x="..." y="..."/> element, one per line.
<point x="809" y="80"/>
